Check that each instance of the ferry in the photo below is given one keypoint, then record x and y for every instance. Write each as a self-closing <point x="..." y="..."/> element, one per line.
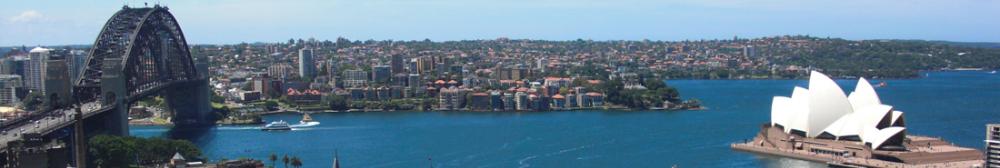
<point x="279" y="125"/>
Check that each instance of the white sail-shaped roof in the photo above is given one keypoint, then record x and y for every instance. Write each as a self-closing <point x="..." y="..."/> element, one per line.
<point x="878" y="137"/>
<point x="897" y="118"/>
<point x="863" y="96"/>
<point x="874" y="114"/>
<point x="799" y="112"/>
<point x="780" y="110"/>
<point x="853" y="123"/>
<point x="827" y="103"/>
<point x="845" y="126"/>
<point x="823" y="108"/>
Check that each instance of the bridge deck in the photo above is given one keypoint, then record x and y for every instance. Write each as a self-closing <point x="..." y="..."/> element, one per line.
<point x="58" y="119"/>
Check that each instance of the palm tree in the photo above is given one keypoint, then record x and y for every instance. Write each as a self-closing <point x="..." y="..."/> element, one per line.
<point x="273" y="158"/>
<point x="285" y="160"/>
<point x="296" y="162"/>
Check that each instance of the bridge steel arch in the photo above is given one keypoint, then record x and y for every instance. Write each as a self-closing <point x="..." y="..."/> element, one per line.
<point x="141" y="52"/>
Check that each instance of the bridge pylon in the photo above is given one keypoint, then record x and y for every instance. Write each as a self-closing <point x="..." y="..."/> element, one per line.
<point x="113" y="94"/>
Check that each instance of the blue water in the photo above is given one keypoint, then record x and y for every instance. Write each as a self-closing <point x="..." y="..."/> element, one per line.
<point x="952" y="105"/>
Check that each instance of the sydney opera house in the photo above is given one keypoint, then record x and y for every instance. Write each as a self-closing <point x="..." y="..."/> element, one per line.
<point x="822" y="123"/>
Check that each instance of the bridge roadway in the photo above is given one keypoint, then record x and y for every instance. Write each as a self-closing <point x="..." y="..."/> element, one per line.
<point x="55" y="120"/>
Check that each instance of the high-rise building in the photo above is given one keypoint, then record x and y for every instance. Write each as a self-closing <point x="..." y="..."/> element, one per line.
<point x="17" y="65"/>
<point x="355" y="75"/>
<point x="424" y="65"/>
<point x="413" y="80"/>
<point x="331" y="68"/>
<point x="355" y="78"/>
<point x="496" y="100"/>
<point x="76" y="61"/>
<point x="480" y="101"/>
<point x="7" y="65"/>
<point x="541" y="64"/>
<point x="993" y="145"/>
<point x="381" y="74"/>
<point x="263" y="85"/>
<point x="307" y="67"/>
<point x="749" y="51"/>
<point x="521" y="101"/>
<point x="451" y="98"/>
<point x="503" y="73"/>
<point x="35" y="70"/>
<point x="280" y="71"/>
<point x="396" y="62"/>
<point x="56" y="85"/>
<point x="400" y="79"/>
<point x="518" y="73"/>
<point x="508" y="101"/>
<point x="440" y="68"/>
<point x="413" y="66"/>
<point x="9" y="84"/>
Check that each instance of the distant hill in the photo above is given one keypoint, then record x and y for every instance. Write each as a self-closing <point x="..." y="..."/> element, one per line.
<point x="951" y="43"/>
<point x="971" y="44"/>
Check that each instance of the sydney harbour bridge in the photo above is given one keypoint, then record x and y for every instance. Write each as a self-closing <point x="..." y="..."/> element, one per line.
<point x="140" y="52"/>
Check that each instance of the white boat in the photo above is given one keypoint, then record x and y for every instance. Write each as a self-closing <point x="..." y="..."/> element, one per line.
<point x="993" y="72"/>
<point x="306" y="121"/>
<point x="306" y="118"/>
<point x="277" y="126"/>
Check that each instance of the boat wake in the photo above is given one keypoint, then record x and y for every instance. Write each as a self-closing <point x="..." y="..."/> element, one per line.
<point x="238" y="128"/>
<point x="300" y="125"/>
<point x="305" y="124"/>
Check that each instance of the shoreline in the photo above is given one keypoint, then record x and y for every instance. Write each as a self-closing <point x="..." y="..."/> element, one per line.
<point x="855" y="77"/>
<point x="485" y="111"/>
<point x="141" y="122"/>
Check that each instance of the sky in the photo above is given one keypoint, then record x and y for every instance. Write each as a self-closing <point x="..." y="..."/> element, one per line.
<point x="54" y="22"/>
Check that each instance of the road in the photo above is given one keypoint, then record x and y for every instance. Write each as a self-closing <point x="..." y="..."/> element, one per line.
<point x="54" y="120"/>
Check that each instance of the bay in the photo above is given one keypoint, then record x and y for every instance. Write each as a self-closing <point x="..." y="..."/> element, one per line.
<point x="953" y="105"/>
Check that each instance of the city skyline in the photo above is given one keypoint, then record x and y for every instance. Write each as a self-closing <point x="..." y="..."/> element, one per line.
<point x="147" y="94"/>
<point x="228" y="22"/>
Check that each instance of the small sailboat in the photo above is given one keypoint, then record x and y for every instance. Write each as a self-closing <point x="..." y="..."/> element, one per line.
<point x="306" y="118"/>
<point x="307" y="121"/>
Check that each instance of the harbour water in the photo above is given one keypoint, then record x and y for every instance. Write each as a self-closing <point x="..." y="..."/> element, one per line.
<point x="952" y="105"/>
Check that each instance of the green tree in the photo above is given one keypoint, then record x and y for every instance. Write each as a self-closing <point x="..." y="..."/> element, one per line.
<point x="118" y="151"/>
<point x="612" y="89"/>
<point x="217" y="98"/>
<point x="337" y="102"/>
<point x="109" y="151"/>
<point x="271" y="105"/>
<point x="654" y="83"/>
<point x="33" y="101"/>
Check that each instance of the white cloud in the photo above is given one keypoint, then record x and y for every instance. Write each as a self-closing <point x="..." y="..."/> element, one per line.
<point x="26" y="17"/>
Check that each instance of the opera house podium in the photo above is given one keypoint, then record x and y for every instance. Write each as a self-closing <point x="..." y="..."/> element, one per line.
<point x="823" y="124"/>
